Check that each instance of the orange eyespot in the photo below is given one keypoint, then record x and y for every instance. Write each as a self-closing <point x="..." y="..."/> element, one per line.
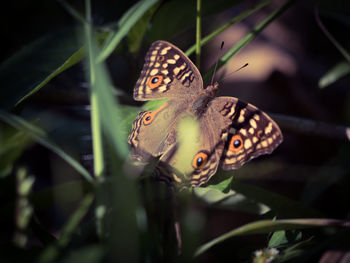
<point x="260" y="133"/>
<point x="199" y="160"/>
<point x="236" y="143"/>
<point x="155" y="81"/>
<point x="148" y="118"/>
<point x="160" y="58"/>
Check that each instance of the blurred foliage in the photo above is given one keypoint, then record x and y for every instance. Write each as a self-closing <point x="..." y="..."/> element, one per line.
<point x="102" y="209"/>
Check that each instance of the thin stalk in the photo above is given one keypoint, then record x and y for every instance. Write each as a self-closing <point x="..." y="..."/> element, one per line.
<point x="198" y="34"/>
<point x="236" y="19"/>
<point x="97" y="143"/>
<point x="249" y="37"/>
<point x="52" y="252"/>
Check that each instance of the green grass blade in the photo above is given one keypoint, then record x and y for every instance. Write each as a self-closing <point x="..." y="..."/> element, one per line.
<point x="105" y="111"/>
<point x="227" y="25"/>
<point x="51" y="252"/>
<point x="96" y="129"/>
<point x="338" y="71"/>
<point x="248" y="38"/>
<point x="41" y="137"/>
<point x="340" y="48"/>
<point x="198" y="34"/>
<point x="125" y="24"/>
<point x="72" y="60"/>
<point x="267" y="226"/>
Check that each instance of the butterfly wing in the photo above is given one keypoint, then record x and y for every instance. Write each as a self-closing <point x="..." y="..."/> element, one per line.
<point x="153" y="132"/>
<point x="232" y="132"/>
<point x="249" y="133"/>
<point x="167" y="73"/>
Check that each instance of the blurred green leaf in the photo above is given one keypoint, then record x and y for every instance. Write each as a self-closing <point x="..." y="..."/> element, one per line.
<point x="223" y="185"/>
<point x="86" y="254"/>
<point x="283" y="237"/>
<point x="188" y="144"/>
<point x="37" y="63"/>
<point x="12" y="144"/>
<point x="153" y="104"/>
<point x="136" y="33"/>
<point x="128" y="20"/>
<point x="248" y="38"/>
<point x="293" y="252"/>
<point x="337" y="72"/>
<point x="236" y="19"/>
<point x="229" y="200"/>
<point x="266" y="226"/>
<point x="51" y="252"/>
<point x="174" y="17"/>
<point x="104" y="105"/>
<point x="41" y="137"/>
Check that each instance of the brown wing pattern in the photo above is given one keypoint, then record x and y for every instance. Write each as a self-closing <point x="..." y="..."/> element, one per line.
<point x="234" y="132"/>
<point x="249" y="134"/>
<point x="167" y="73"/>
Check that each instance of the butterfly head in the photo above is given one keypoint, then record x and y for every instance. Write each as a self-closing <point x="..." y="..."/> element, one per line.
<point x="212" y="89"/>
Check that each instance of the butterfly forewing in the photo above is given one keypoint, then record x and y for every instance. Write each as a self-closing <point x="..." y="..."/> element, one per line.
<point x="232" y="131"/>
<point x="167" y="73"/>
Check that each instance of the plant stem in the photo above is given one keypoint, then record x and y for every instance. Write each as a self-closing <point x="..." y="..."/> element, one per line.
<point x="198" y="34"/>
<point x="95" y="114"/>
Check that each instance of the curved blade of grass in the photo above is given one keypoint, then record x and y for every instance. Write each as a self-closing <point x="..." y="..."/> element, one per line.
<point x="41" y="137"/>
<point x="341" y="49"/>
<point x="106" y="116"/>
<point x="248" y="38"/>
<point x="335" y="73"/>
<point x="51" y="252"/>
<point x="72" y="60"/>
<point x="128" y="20"/>
<point x="236" y="19"/>
<point x="267" y="226"/>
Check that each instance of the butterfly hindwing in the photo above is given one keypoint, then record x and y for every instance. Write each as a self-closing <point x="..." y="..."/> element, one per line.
<point x="153" y="131"/>
<point x="167" y="73"/>
<point x="250" y="132"/>
<point x="232" y="132"/>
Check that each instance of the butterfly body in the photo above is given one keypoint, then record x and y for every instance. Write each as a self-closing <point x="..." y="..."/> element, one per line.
<point x="232" y="132"/>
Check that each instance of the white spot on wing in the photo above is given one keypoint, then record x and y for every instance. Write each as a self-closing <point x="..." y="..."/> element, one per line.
<point x="153" y="72"/>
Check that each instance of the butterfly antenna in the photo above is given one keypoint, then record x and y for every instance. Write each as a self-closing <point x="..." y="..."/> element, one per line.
<point x="216" y="64"/>
<point x="246" y="64"/>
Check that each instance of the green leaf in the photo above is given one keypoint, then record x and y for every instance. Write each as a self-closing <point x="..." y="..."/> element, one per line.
<point x="104" y="106"/>
<point x="223" y="185"/>
<point x="266" y="226"/>
<point x="37" y="63"/>
<point x="13" y="143"/>
<point x="137" y="32"/>
<point x="334" y="74"/>
<point x="283" y="237"/>
<point x="230" y="200"/>
<point x="175" y="16"/>
<point x="154" y="104"/>
<point x="41" y="137"/>
<point x="128" y="20"/>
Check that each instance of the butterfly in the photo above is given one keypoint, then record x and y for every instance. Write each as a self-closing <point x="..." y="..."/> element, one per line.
<point x="232" y="132"/>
